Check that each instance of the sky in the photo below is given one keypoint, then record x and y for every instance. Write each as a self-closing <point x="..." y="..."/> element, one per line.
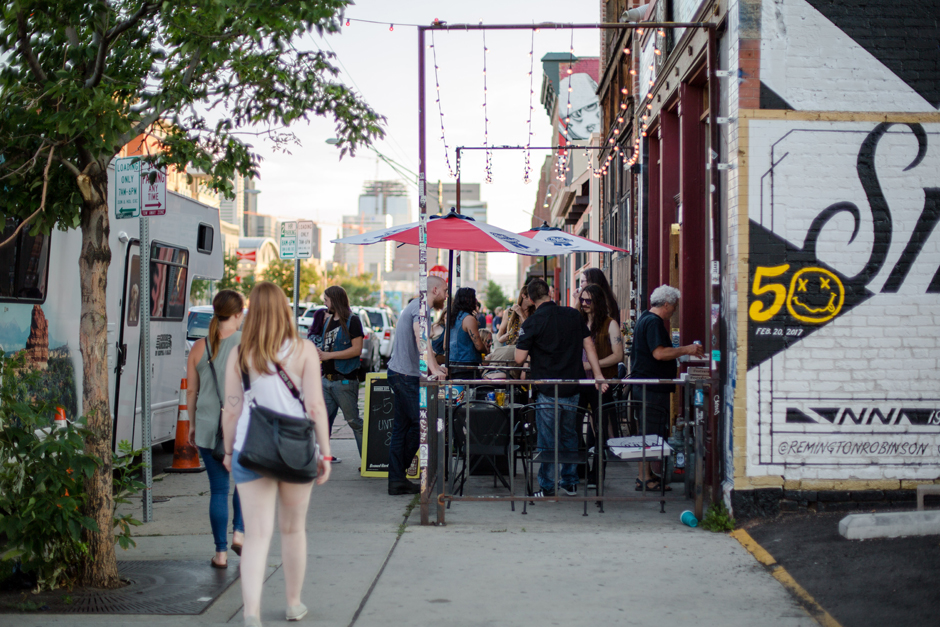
<point x="381" y="64"/>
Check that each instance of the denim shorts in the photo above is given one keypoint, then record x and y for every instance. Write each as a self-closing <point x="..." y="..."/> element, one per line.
<point x="241" y="474"/>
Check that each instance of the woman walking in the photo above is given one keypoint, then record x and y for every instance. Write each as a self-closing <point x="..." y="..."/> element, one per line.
<point x="609" y="345"/>
<point x="466" y="343"/>
<point x="270" y="343"/>
<point x="205" y="389"/>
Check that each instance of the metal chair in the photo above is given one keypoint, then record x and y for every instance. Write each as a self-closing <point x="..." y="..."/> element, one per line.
<point x="487" y="438"/>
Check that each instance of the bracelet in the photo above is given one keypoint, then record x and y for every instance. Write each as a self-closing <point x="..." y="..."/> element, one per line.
<point x="328" y="458"/>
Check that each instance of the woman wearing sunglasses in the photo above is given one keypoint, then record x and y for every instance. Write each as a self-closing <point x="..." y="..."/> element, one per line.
<point x="592" y="303"/>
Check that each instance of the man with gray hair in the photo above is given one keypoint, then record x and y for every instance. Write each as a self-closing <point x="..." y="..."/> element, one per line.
<point x="653" y="357"/>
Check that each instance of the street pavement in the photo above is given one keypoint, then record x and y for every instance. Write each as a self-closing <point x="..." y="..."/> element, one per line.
<point x="370" y="563"/>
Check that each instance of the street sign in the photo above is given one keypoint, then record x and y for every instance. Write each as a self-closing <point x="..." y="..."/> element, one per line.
<point x="127" y="187"/>
<point x="288" y="247"/>
<point x="152" y="196"/>
<point x="304" y="239"/>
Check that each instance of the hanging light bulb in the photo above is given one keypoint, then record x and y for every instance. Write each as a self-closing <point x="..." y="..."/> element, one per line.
<point x="391" y="27"/>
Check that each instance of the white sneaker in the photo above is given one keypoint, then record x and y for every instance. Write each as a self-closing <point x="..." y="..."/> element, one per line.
<point x="337" y="460"/>
<point x="296" y="612"/>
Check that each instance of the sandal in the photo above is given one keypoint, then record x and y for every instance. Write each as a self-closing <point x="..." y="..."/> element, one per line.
<point x="652" y="486"/>
<point x="215" y="564"/>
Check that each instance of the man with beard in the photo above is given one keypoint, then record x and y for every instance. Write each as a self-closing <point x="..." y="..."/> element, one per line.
<point x="403" y="373"/>
<point x="340" y="363"/>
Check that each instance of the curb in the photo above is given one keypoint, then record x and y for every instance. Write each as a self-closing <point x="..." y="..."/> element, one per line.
<point x="780" y="573"/>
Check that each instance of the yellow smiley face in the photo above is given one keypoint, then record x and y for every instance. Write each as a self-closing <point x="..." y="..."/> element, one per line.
<point x="816" y="295"/>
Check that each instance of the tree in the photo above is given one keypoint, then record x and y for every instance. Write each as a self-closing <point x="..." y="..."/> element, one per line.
<point x="81" y="79"/>
<point x="281" y="272"/>
<point x="494" y="296"/>
<point x="362" y="289"/>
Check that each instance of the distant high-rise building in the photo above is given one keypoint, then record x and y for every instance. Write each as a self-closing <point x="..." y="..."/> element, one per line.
<point x="386" y="198"/>
<point x="232" y="210"/>
<point x="375" y="259"/>
<point x="441" y="198"/>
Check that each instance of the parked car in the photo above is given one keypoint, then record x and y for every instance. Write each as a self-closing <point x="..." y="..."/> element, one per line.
<point x="197" y="323"/>
<point x="383" y="321"/>
<point x="371" y="356"/>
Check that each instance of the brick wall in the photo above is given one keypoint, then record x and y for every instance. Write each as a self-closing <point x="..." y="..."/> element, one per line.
<point x="835" y="258"/>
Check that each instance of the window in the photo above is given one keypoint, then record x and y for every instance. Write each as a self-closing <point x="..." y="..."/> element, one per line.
<point x="168" y="282"/>
<point x="24" y="265"/>
<point x="204" y="238"/>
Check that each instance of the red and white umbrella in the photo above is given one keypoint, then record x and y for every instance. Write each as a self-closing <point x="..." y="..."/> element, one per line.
<point x="458" y="232"/>
<point x="570" y="243"/>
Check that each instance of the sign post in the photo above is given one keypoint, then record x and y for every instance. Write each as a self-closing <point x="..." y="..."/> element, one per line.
<point x="151" y="201"/>
<point x="288" y="250"/>
<point x="304" y="250"/>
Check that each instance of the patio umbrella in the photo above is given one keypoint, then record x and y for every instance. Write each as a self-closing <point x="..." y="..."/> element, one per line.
<point x="462" y="233"/>
<point x="458" y="232"/>
<point x="571" y="243"/>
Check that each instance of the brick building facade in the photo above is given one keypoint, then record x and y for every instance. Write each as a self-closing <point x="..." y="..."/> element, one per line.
<point x="811" y="261"/>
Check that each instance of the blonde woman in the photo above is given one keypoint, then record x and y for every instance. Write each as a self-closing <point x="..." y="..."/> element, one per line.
<point x="509" y="328"/>
<point x="205" y="377"/>
<point x="269" y="339"/>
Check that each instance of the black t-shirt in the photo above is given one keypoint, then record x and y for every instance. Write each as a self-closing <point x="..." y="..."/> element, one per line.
<point x="650" y="334"/>
<point x="554" y="337"/>
<point x="333" y="329"/>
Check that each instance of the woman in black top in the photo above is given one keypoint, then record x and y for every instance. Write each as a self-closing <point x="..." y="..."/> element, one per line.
<point x="594" y="276"/>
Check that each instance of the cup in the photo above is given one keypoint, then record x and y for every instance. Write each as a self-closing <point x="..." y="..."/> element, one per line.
<point x="501" y="399"/>
<point x="688" y="518"/>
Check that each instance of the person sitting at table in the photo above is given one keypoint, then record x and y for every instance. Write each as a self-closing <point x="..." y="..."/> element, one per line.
<point x="508" y="332"/>
<point x="608" y="342"/>
<point x="555" y="337"/>
<point x="466" y="345"/>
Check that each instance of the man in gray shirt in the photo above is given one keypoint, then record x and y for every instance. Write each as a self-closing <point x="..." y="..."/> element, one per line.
<point x="403" y="373"/>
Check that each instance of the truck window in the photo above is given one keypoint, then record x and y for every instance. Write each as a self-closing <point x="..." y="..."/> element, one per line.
<point x="168" y="272"/>
<point x="24" y="265"/>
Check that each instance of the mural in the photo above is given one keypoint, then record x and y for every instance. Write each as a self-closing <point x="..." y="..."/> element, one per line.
<point x="843" y="294"/>
<point x="26" y="330"/>
<point x="585" y="117"/>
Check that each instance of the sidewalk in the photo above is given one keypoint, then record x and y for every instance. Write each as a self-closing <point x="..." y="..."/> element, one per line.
<point x="488" y="566"/>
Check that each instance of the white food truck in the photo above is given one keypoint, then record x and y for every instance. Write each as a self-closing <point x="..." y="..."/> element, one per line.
<point x="40" y="306"/>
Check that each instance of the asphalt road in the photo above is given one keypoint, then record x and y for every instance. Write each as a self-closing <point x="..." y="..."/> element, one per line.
<point x="883" y="582"/>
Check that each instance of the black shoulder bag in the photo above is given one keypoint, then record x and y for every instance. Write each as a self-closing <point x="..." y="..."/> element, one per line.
<point x="218" y="451"/>
<point x="277" y="445"/>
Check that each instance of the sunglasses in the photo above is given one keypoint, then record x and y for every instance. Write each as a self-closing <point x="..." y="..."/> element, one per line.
<point x="586" y="301"/>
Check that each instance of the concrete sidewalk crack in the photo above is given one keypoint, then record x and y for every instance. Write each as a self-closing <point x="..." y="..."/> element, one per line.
<point x="378" y="575"/>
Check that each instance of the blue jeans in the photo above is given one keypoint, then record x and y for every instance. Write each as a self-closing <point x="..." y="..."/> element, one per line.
<point x="567" y="438"/>
<point x="406" y="430"/>
<point x="218" y="501"/>
<point x="344" y="394"/>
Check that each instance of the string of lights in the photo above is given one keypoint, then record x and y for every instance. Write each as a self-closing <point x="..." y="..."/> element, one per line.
<point x="486" y="120"/>
<point x="454" y="172"/>
<point x="526" y="177"/>
<point x="562" y="165"/>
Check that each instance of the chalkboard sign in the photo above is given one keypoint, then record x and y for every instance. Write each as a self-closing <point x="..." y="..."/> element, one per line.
<point x="377" y="421"/>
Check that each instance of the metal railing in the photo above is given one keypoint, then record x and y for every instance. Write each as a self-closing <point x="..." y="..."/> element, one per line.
<point x="449" y="438"/>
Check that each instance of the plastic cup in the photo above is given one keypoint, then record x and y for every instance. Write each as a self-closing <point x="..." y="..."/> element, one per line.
<point x="501" y="399"/>
<point x="688" y="518"/>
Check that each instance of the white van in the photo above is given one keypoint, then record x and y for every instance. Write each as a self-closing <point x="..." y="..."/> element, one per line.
<point x="40" y="302"/>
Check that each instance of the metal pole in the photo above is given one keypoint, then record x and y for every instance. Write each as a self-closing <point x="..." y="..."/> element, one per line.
<point x="422" y="284"/>
<point x="146" y="438"/>
<point x="296" y="291"/>
<point x="450" y="303"/>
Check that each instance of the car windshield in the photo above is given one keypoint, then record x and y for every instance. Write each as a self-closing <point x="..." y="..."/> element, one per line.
<point x="375" y="319"/>
<point x="197" y="327"/>
<point x="310" y="311"/>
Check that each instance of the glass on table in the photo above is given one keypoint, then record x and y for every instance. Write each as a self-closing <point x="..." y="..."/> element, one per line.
<point x="501" y="398"/>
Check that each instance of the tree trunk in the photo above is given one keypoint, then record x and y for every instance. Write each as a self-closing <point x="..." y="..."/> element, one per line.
<point x="100" y="567"/>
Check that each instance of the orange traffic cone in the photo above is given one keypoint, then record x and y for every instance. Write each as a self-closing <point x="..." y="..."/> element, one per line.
<point x="60" y="421"/>
<point x="185" y="455"/>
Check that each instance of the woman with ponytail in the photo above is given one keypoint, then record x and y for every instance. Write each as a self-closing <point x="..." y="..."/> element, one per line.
<point x="205" y="374"/>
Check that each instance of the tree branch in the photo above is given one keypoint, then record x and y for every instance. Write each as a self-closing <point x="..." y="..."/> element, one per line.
<point x="26" y="50"/>
<point x="107" y="38"/>
<point x="42" y="203"/>
<point x="71" y="167"/>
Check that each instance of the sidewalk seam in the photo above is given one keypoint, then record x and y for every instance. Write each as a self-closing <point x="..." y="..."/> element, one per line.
<point x="378" y="575"/>
<point x="778" y="572"/>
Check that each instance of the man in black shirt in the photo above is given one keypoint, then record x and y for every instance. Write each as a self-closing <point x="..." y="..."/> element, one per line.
<point x="340" y="357"/>
<point x="555" y="338"/>
<point x="653" y="357"/>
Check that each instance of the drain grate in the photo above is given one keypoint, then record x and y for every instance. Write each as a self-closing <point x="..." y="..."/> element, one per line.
<point x="159" y="587"/>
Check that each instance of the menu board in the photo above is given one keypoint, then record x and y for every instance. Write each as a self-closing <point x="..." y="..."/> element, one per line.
<point x="377" y="421"/>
